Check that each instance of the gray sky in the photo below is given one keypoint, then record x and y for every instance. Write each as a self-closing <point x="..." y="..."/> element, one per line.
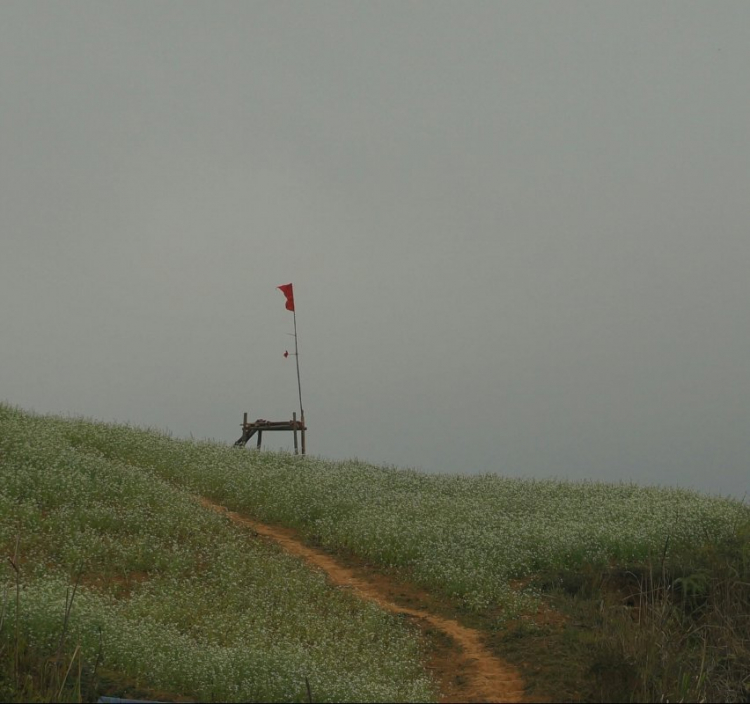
<point x="518" y="232"/>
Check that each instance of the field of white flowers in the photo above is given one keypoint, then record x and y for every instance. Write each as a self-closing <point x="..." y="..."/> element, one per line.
<point x="184" y="602"/>
<point x="463" y="536"/>
<point x="175" y="596"/>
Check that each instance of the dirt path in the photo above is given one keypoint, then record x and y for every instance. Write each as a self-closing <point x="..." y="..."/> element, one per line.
<point x="469" y="673"/>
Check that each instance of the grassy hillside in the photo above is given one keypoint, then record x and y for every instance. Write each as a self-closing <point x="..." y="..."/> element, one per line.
<point x="650" y="584"/>
<point x="167" y="598"/>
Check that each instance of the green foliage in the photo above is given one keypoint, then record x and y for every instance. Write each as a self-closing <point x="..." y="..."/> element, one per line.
<point x="174" y="596"/>
<point x="673" y="628"/>
<point x="464" y="536"/>
<point x="655" y="574"/>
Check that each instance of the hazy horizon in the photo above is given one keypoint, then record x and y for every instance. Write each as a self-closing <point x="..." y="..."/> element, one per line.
<point x="517" y="232"/>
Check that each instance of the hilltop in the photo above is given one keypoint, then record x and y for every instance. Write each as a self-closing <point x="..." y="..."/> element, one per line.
<point x="579" y="585"/>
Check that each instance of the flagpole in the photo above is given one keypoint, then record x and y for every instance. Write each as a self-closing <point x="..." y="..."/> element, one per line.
<point x="288" y="291"/>
<point x="296" y="357"/>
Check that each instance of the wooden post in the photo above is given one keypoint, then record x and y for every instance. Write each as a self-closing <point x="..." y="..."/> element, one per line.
<point x="303" y="433"/>
<point x="260" y="436"/>
<point x="244" y="419"/>
<point x="294" y="424"/>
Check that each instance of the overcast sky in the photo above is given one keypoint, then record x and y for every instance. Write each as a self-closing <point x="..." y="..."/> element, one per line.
<point x="517" y="232"/>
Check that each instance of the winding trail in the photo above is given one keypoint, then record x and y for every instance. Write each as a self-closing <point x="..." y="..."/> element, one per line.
<point x="469" y="673"/>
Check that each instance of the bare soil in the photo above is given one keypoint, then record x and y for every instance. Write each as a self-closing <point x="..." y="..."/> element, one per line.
<point x="461" y="661"/>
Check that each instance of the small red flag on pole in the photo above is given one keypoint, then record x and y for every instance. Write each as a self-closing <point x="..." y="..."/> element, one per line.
<point x="288" y="291"/>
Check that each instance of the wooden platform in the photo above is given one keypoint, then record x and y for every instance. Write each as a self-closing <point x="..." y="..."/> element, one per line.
<point x="259" y="426"/>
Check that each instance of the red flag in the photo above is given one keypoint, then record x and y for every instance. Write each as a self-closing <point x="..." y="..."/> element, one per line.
<point x="288" y="291"/>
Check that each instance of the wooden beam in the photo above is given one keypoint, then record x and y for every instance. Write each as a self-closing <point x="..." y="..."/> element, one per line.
<point x="303" y="434"/>
<point x="258" y="426"/>
<point x="294" y="423"/>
